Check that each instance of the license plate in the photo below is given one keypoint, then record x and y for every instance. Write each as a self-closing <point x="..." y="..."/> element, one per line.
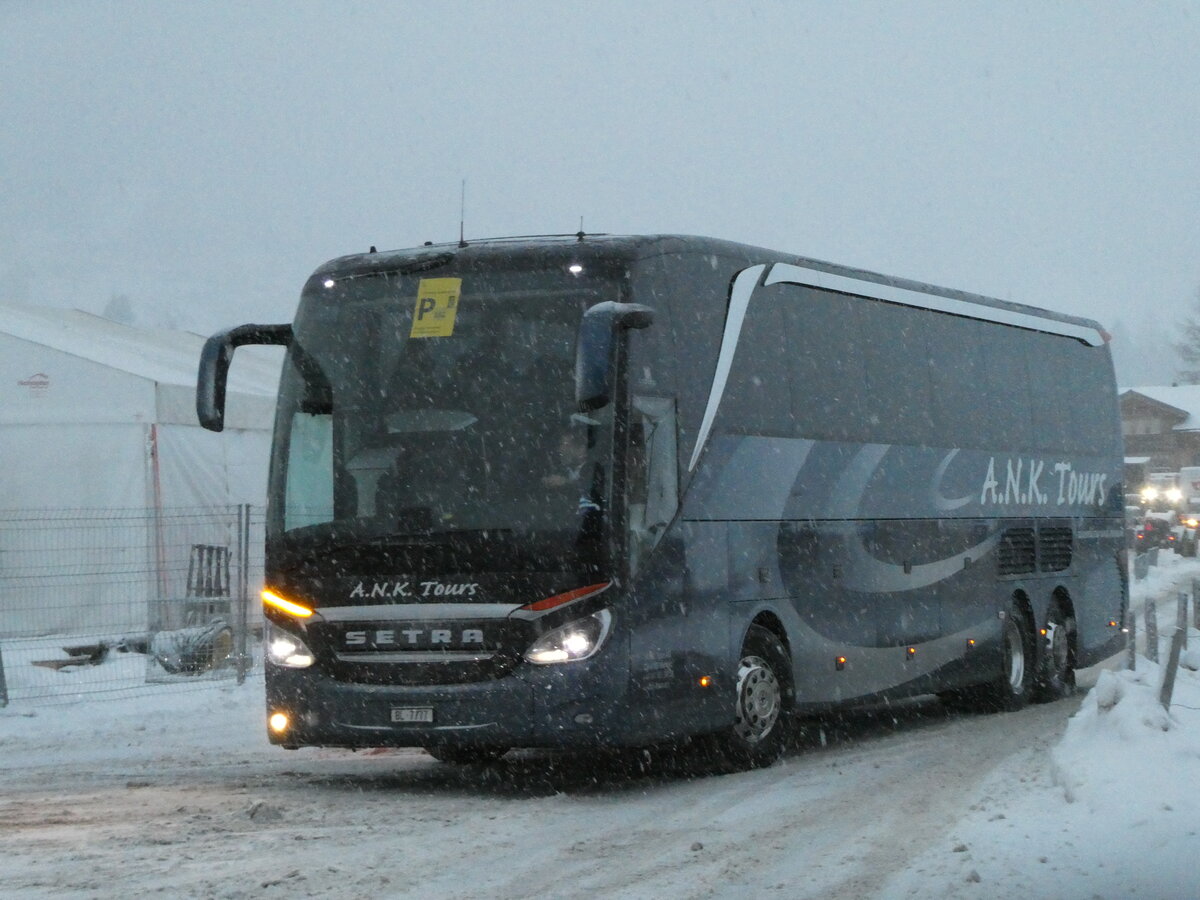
<point x="412" y="714"/>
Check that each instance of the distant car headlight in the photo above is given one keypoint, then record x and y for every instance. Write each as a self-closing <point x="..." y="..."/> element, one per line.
<point x="572" y="642"/>
<point x="1174" y="495"/>
<point x="286" y="649"/>
<point x="1149" y="493"/>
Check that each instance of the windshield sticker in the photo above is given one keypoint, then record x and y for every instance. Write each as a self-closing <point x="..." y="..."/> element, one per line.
<point x="437" y="304"/>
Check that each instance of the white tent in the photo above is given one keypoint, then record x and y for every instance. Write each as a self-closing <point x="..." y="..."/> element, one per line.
<point x="98" y="416"/>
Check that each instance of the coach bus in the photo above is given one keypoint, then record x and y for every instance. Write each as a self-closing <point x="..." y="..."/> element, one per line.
<point x="596" y="490"/>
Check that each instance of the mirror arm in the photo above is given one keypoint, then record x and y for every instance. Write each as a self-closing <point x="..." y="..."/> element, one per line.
<point x="214" y="366"/>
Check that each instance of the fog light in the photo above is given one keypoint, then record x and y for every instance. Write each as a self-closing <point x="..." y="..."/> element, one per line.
<point x="278" y="722"/>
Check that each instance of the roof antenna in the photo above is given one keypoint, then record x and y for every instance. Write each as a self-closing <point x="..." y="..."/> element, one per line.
<point x="579" y="234"/>
<point x="462" y="215"/>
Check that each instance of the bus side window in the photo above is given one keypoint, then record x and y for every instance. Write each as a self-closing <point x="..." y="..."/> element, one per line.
<point x="310" y="470"/>
<point x="653" y="473"/>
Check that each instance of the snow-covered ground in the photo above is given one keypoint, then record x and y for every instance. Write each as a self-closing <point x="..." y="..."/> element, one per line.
<point x="177" y="792"/>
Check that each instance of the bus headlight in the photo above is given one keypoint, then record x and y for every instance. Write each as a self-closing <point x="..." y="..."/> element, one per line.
<point x="285" y="649"/>
<point x="574" y="641"/>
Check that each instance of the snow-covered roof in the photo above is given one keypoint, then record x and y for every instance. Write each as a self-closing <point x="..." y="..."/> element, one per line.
<point x="1184" y="397"/>
<point x="162" y="356"/>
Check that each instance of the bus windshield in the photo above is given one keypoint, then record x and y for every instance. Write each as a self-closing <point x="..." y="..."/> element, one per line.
<point x="420" y="408"/>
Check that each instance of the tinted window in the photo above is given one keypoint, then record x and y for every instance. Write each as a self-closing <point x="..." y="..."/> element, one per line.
<point x="758" y="395"/>
<point x="696" y="288"/>
<point x="957" y="376"/>
<point x="1072" y="393"/>
<point x="1005" y="419"/>
<point x="826" y="361"/>
<point x="896" y="352"/>
<point x="1053" y="385"/>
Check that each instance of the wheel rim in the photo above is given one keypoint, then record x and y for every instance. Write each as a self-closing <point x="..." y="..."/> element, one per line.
<point x="760" y="699"/>
<point x="1014" y="654"/>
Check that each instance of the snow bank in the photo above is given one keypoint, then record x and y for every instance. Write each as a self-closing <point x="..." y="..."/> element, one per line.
<point x="1113" y="810"/>
<point x="1122" y="723"/>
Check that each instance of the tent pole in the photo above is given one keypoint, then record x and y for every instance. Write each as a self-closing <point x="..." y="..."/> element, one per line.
<point x="160" y="549"/>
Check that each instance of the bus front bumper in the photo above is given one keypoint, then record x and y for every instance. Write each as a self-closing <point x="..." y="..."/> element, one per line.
<point x="576" y="704"/>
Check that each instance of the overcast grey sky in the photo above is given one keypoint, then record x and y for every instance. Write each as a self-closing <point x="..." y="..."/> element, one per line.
<point x="203" y="158"/>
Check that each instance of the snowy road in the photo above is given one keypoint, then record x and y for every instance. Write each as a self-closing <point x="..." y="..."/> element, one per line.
<point x="213" y="811"/>
<point x="179" y="793"/>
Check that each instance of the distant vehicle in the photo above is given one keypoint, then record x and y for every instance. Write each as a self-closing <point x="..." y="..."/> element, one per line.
<point x="1188" y="482"/>
<point x="802" y="486"/>
<point x="1159" y="529"/>
<point x="1162" y="492"/>
<point x="1186" y="534"/>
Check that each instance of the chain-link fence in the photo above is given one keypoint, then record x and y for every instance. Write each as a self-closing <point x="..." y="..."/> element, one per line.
<point x="103" y="600"/>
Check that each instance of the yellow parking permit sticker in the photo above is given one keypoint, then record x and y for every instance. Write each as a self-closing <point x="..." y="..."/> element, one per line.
<point x="437" y="303"/>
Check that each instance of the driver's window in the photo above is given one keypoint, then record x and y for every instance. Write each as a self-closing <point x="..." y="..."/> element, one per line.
<point x="309" y="471"/>
<point x="653" y="477"/>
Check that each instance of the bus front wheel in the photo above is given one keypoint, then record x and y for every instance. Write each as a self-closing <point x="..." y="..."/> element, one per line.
<point x="762" y="704"/>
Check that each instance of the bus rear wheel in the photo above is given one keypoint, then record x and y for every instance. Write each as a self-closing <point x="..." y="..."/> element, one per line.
<point x="762" y="705"/>
<point x="1012" y="688"/>
<point x="460" y="755"/>
<point x="1056" y="674"/>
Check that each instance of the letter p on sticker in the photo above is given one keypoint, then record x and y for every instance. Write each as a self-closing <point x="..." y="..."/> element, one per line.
<point x="437" y="304"/>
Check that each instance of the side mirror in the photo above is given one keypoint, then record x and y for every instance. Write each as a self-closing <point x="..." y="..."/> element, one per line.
<point x="593" y="349"/>
<point x="214" y="366"/>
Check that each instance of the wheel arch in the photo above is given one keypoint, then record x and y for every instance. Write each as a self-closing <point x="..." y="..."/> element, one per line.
<point x="770" y="620"/>
<point x="1020" y="599"/>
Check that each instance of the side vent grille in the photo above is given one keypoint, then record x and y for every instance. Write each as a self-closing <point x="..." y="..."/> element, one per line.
<point x="1017" y="553"/>
<point x="1054" y="547"/>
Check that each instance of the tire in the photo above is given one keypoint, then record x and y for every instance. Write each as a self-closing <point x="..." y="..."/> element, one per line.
<point x="460" y="755"/>
<point x="1056" y="670"/>
<point x="762" y="704"/>
<point x="193" y="650"/>
<point x="1013" y="687"/>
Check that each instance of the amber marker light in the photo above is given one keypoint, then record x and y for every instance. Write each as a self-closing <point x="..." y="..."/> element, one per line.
<point x="839" y="663"/>
<point x="294" y="609"/>
<point x="705" y="681"/>
<point x="278" y="722"/>
<point x="912" y="651"/>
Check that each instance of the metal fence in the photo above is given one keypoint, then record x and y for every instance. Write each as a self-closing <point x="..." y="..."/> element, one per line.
<point x="102" y="600"/>
<point x="1175" y="639"/>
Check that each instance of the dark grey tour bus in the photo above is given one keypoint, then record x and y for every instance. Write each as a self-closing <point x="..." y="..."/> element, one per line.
<point x="592" y="490"/>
